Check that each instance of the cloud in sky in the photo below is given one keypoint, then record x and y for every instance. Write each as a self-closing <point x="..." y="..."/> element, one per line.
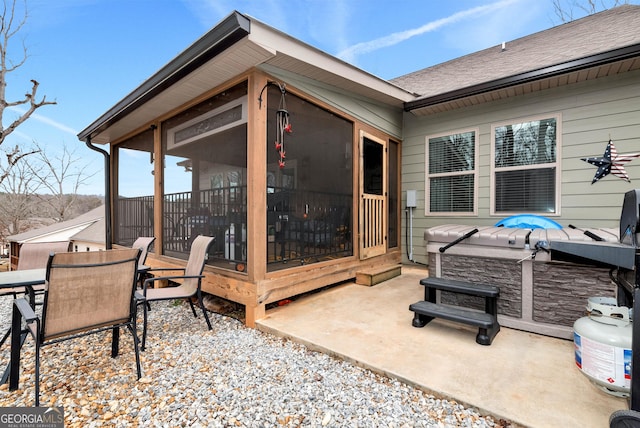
<point x="47" y="121"/>
<point x="61" y="126"/>
<point x="349" y="54"/>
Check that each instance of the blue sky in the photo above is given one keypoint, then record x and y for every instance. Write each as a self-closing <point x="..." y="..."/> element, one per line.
<point x="89" y="54"/>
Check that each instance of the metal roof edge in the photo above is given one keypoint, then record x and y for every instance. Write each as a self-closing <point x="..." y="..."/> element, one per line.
<point x="529" y="76"/>
<point x="225" y="34"/>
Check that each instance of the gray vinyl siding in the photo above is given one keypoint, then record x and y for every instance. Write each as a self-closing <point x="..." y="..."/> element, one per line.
<point x="591" y="113"/>
<point x="382" y="117"/>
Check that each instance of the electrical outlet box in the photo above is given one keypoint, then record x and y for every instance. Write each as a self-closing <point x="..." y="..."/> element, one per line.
<point x="411" y="199"/>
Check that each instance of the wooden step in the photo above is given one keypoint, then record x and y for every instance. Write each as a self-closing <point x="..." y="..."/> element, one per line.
<point x="377" y="275"/>
<point x="455" y="286"/>
<point x="452" y="313"/>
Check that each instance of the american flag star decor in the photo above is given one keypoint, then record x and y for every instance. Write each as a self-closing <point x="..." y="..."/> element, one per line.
<point x="611" y="162"/>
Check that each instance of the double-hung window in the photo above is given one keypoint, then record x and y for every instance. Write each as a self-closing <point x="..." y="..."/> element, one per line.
<point x="525" y="170"/>
<point x="452" y="173"/>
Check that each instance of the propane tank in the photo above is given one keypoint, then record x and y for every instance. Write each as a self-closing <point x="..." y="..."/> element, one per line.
<point x="602" y="342"/>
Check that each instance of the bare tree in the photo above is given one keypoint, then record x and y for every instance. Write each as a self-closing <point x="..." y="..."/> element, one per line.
<point x="18" y="198"/>
<point x="60" y="177"/>
<point x="11" y="22"/>
<point x="568" y="10"/>
<point x="43" y="189"/>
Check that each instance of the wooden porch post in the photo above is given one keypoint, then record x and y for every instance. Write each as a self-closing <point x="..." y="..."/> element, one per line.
<point x="256" y="193"/>
<point x="158" y="177"/>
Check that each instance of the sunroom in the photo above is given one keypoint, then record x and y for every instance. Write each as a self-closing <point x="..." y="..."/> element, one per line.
<point x="286" y="155"/>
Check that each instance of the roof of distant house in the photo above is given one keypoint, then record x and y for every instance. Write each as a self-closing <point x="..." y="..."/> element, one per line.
<point x="86" y="219"/>
<point x="94" y="233"/>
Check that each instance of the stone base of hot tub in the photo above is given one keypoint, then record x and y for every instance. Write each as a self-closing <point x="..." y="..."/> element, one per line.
<point x="536" y="294"/>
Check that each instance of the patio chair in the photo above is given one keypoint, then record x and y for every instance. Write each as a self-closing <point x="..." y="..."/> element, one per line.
<point x="85" y="293"/>
<point x="191" y="280"/>
<point x="33" y="255"/>
<point x="144" y="243"/>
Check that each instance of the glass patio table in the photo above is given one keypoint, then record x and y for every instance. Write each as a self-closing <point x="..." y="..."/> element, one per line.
<point x="23" y="278"/>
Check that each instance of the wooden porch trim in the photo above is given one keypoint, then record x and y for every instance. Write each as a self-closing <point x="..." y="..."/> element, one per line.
<point x="158" y="180"/>
<point x="256" y="179"/>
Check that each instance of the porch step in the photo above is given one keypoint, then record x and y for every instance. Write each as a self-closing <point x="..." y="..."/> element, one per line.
<point x="376" y="275"/>
<point x="454" y="286"/>
<point x="487" y="322"/>
<point x="452" y="313"/>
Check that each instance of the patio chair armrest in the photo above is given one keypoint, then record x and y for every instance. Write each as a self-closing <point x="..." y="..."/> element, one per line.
<point x="26" y="310"/>
<point x="157" y="269"/>
<point x="161" y="278"/>
<point x="23" y="310"/>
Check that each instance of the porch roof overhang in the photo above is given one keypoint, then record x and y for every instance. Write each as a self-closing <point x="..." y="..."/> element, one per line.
<point x="234" y="46"/>
<point x="578" y="70"/>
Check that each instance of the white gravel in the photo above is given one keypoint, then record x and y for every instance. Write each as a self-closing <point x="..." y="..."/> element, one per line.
<point x="230" y="376"/>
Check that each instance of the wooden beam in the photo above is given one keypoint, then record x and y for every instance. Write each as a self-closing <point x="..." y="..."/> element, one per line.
<point x="253" y="313"/>
<point x="256" y="179"/>
<point x="158" y="178"/>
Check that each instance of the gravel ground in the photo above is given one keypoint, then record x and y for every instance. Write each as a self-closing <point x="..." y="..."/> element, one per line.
<point x="230" y="376"/>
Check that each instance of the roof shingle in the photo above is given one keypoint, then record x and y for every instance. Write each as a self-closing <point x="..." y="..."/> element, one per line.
<point x="601" y="32"/>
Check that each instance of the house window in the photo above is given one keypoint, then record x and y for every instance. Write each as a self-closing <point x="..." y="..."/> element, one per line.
<point x="451" y="186"/>
<point x="525" y="171"/>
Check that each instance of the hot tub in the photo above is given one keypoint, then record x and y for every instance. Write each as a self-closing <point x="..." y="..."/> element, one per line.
<point x="537" y="294"/>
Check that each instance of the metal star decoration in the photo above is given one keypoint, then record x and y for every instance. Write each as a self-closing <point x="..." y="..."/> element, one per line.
<point x="611" y="162"/>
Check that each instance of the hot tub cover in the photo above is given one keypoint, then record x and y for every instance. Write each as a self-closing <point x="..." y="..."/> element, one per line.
<point x="528" y="221"/>
<point x="507" y="237"/>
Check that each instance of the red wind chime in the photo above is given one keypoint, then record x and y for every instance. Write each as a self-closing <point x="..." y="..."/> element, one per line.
<point x="282" y="126"/>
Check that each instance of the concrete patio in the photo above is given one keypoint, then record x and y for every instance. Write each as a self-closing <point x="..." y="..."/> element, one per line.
<point x="528" y="379"/>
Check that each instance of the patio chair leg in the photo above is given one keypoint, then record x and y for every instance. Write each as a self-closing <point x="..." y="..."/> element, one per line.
<point x="115" y="341"/>
<point x="204" y="310"/>
<point x="193" y="309"/>
<point x="144" y="327"/>
<point x="14" y="361"/>
<point x="132" y="329"/>
<point x="37" y="373"/>
<point x="5" y="337"/>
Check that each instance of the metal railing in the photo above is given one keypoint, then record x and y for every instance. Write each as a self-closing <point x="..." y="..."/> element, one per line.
<point x="307" y="227"/>
<point x="303" y="227"/>
<point x="133" y="218"/>
<point x="221" y="213"/>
